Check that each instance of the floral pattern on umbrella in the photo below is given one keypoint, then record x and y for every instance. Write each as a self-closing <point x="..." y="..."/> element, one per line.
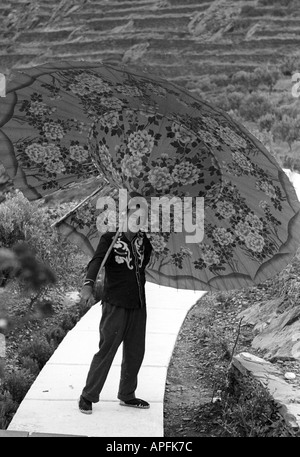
<point x="71" y="121"/>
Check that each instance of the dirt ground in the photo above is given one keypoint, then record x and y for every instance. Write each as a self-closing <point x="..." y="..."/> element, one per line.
<point x="209" y="336"/>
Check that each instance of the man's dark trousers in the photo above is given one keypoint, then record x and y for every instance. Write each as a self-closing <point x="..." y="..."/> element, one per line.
<point x="118" y="325"/>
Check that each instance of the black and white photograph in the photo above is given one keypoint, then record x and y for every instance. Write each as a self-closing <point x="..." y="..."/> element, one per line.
<point x="150" y="222"/>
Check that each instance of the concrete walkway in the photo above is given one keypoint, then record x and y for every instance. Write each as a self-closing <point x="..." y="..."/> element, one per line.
<point x="50" y="405"/>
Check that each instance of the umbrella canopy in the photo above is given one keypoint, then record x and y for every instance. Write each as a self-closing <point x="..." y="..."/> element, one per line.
<point x="66" y="122"/>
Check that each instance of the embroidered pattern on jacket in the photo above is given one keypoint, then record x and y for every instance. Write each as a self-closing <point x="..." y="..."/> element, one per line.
<point x="122" y="253"/>
<point x="139" y="249"/>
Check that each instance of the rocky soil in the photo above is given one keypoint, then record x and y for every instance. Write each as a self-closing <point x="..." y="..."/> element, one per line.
<point x="210" y="335"/>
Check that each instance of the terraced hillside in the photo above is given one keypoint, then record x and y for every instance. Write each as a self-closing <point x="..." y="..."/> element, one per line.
<point x="178" y="39"/>
<point x="199" y="44"/>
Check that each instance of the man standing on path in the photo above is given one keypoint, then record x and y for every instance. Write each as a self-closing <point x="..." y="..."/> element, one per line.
<point x="123" y="313"/>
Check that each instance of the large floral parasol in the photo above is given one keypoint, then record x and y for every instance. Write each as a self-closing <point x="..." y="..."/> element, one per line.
<point x="67" y="122"/>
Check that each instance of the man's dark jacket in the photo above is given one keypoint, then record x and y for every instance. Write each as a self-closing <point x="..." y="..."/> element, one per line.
<point x="124" y="281"/>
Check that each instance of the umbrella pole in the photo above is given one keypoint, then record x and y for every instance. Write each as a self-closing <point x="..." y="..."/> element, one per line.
<point x="76" y="207"/>
<point x="109" y="249"/>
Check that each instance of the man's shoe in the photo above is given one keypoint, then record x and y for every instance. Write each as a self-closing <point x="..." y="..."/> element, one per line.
<point x="85" y="406"/>
<point x="135" y="403"/>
